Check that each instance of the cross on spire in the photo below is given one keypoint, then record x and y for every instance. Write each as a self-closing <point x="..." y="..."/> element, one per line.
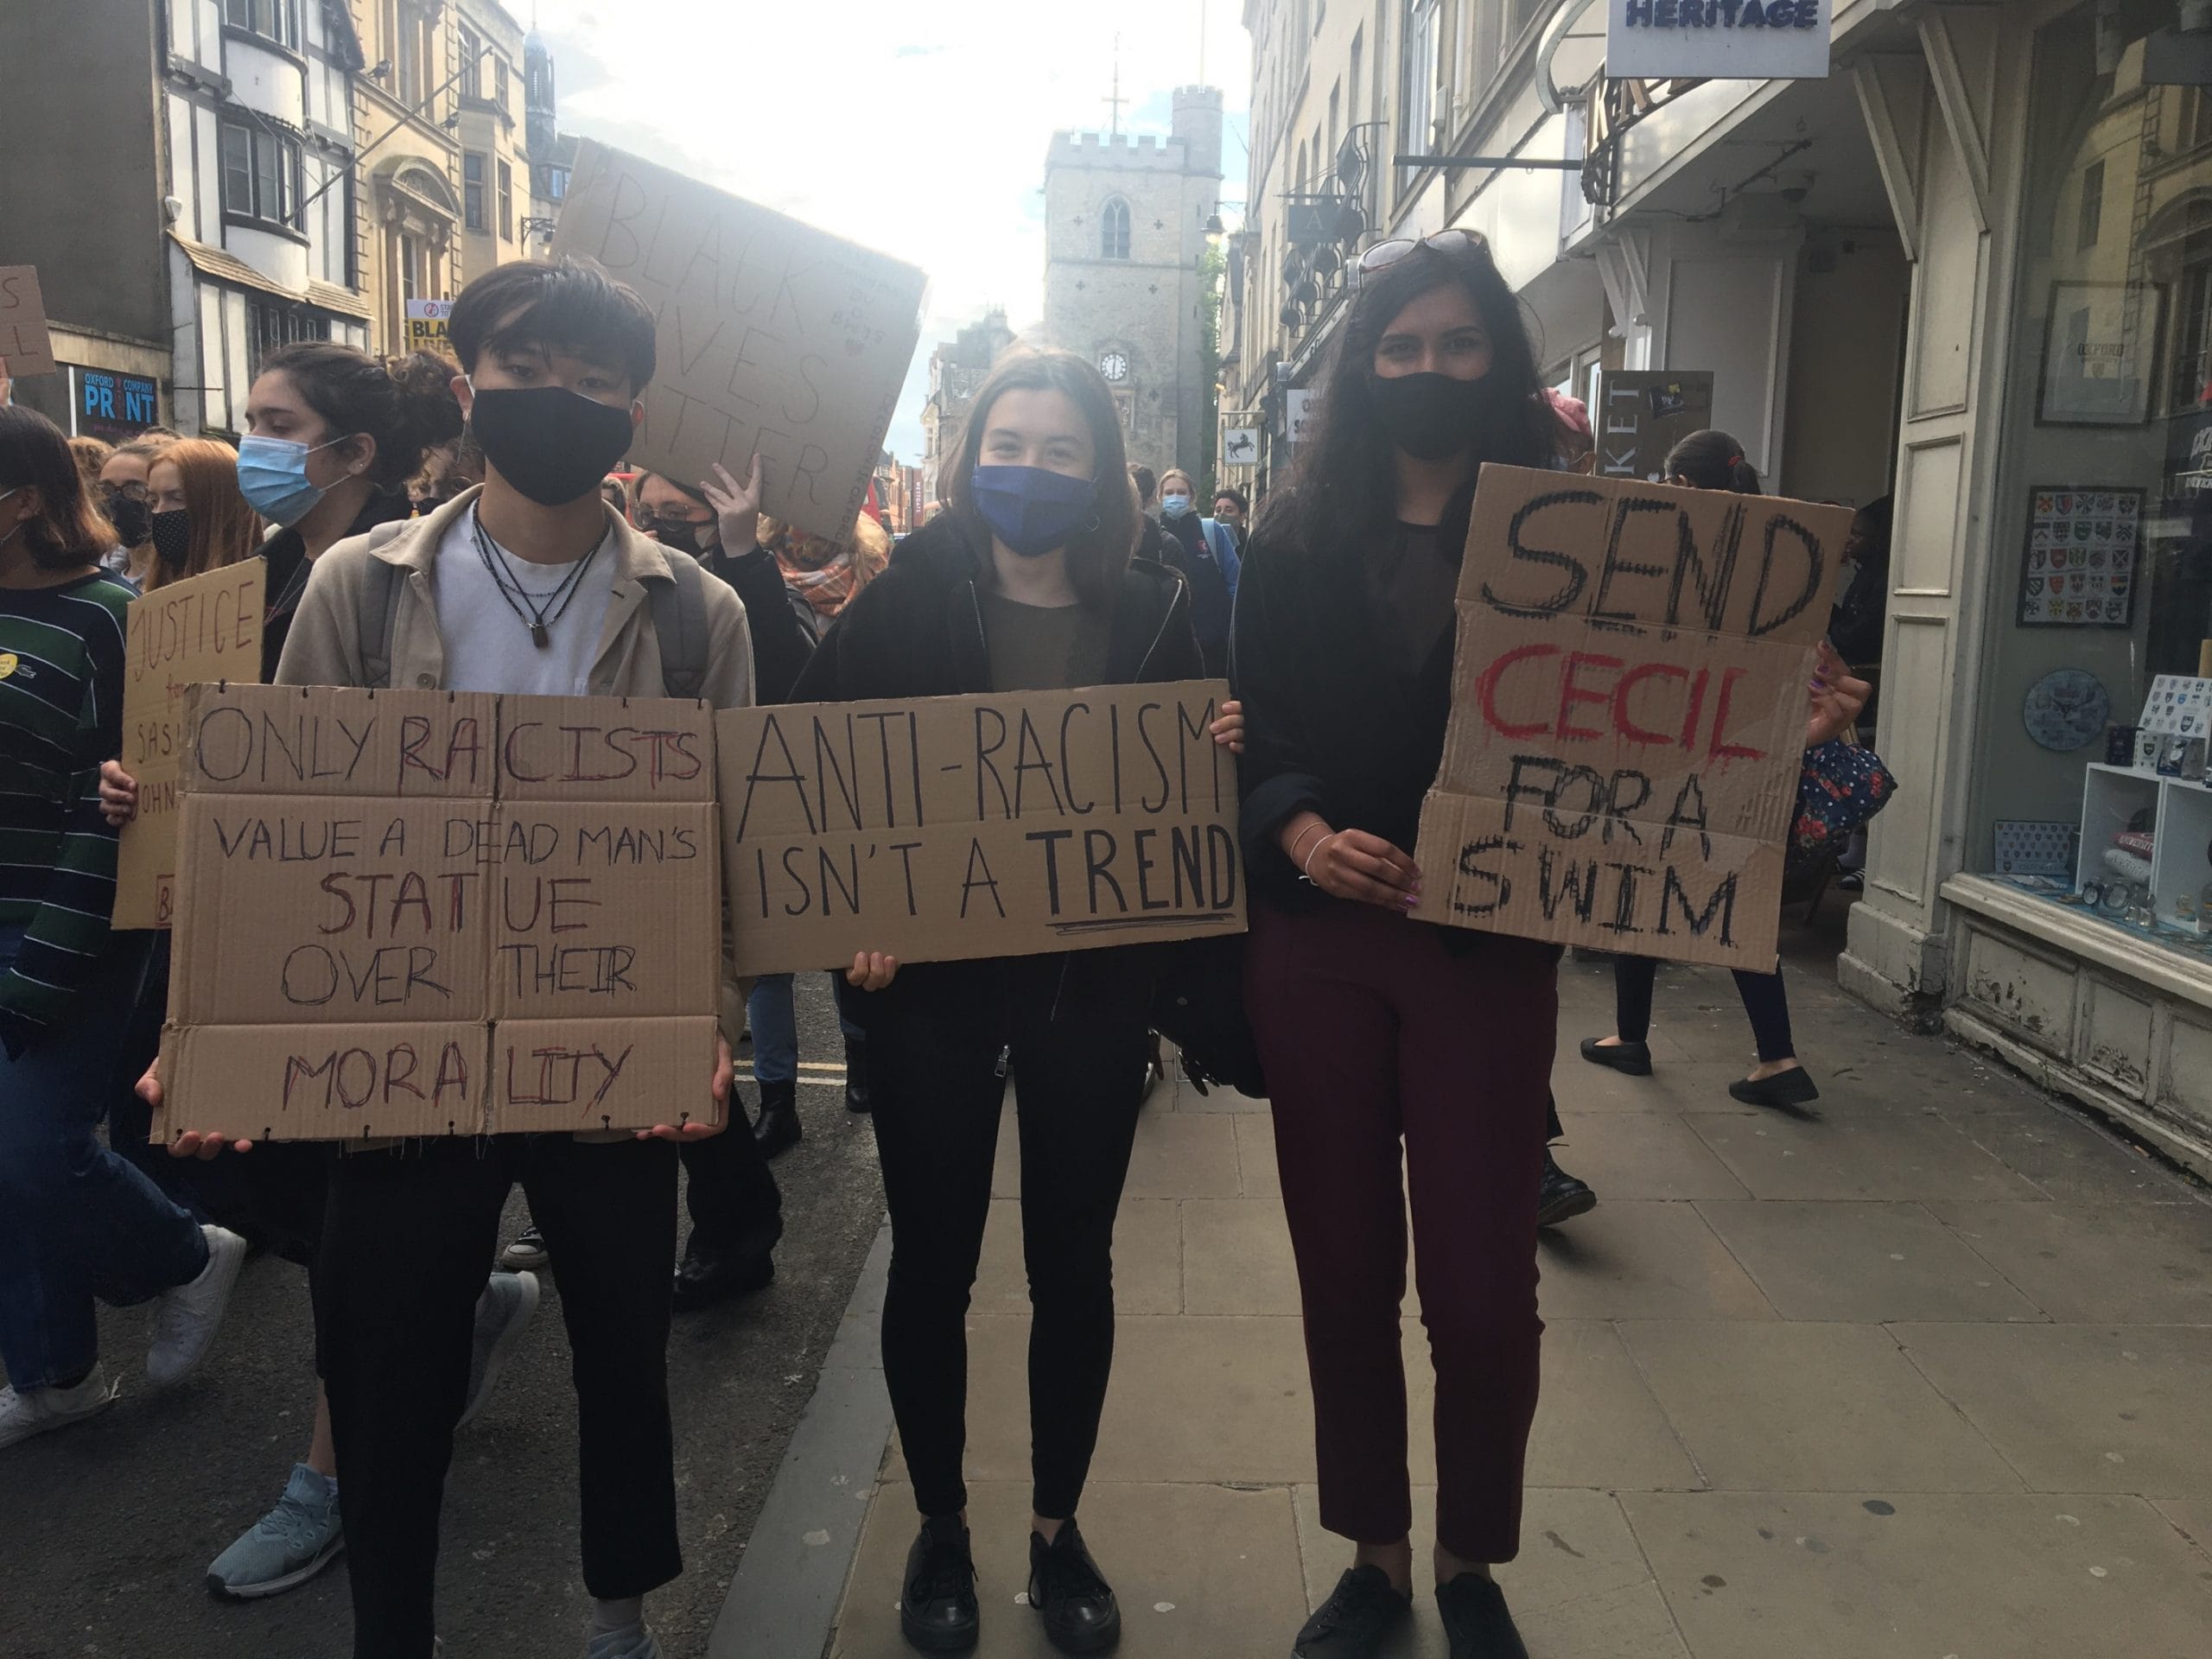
<point x="1117" y="100"/>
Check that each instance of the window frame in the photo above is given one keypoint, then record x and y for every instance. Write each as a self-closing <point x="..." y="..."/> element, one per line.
<point x="506" y="178"/>
<point x="273" y="167"/>
<point x="473" y="200"/>
<point x="1116" y="248"/>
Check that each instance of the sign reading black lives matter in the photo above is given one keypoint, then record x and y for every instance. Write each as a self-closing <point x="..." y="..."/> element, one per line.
<point x="949" y="827"/>
<point x="1628" y="715"/>
<point x="774" y="337"/>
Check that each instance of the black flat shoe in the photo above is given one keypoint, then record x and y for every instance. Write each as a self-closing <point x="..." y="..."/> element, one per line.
<point x="1071" y="1594"/>
<point x="1476" y="1623"/>
<point x="1791" y="1088"/>
<point x="1351" y="1625"/>
<point x="1560" y="1195"/>
<point x="776" y="1131"/>
<point x="706" y="1277"/>
<point x="936" y="1606"/>
<point x="1632" y="1058"/>
<point x="857" y="1096"/>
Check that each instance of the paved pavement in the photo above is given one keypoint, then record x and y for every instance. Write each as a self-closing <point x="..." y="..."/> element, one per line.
<point x="1924" y="1372"/>
<point x="106" y="1528"/>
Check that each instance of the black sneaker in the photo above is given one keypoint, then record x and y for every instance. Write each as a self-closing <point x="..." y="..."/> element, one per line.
<point x="1071" y="1594"/>
<point x="1351" y="1624"/>
<point x="937" y="1608"/>
<point x="1476" y="1623"/>
<point x="1560" y="1195"/>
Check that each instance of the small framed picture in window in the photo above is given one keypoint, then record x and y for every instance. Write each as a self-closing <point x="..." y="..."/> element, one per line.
<point x="2100" y="349"/>
<point x="2081" y="565"/>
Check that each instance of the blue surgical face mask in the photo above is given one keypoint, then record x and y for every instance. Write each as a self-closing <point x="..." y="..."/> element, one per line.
<point x="1174" y="505"/>
<point x="273" y="478"/>
<point x="1033" y="509"/>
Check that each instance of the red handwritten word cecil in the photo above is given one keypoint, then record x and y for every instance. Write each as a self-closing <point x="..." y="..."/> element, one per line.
<point x="1596" y="680"/>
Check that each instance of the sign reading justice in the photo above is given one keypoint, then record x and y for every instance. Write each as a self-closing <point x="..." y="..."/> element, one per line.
<point x="429" y="913"/>
<point x="949" y="827"/>
<point x="1628" y="715"/>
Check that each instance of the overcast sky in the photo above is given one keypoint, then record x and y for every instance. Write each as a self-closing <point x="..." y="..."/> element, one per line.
<point x="919" y="128"/>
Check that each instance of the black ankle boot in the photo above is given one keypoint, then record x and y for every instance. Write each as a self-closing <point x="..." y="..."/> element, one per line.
<point x="857" y="1098"/>
<point x="1476" y="1623"/>
<point x="937" y="1605"/>
<point x="776" y="1130"/>
<point x="1560" y="1195"/>
<point x="1071" y="1594"/>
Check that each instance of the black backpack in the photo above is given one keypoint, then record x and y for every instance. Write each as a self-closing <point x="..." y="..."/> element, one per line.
<point x="679" y="618"/>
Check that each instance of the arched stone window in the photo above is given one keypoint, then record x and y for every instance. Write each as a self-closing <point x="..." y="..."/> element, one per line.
<point x="1114" y="231"/>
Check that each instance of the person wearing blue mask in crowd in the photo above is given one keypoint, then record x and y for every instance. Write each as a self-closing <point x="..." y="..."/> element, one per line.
<point x="1206" y="552"/>
<point x="1025" y="582"/>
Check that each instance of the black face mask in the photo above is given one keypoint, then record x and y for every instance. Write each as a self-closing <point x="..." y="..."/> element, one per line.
<point x="132" y="518"/>
<point x="172" y="534"/>
<point x="552" y="444"/>
<point x="684" y="537"/>
<point x="1431" y="416"/>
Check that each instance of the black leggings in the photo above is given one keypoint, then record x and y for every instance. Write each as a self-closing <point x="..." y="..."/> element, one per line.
<point x="1764" y="1001"/>
<point x="1072" y="1034"/>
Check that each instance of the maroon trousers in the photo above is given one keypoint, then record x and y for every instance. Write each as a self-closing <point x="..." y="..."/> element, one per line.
<point x="1374" y="1027"/>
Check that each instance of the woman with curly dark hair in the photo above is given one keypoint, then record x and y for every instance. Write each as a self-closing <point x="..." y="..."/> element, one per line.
<point x="1389" y="1041"/>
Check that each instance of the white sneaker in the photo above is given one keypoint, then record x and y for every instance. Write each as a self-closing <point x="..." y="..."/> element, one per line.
<point x="188" y="1317"/>
<point x="22" y="1415"/>
<point x="503" y="1313"/>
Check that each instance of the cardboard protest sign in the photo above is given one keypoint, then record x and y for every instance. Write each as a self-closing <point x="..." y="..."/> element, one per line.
<point x="430" y="913"/>
<point x="207" y="628"/>
<point x="25" y="348"/>
<point x="774" y="336"/>
<point x="949" y="827"/>
<point x="1628" y="715"/>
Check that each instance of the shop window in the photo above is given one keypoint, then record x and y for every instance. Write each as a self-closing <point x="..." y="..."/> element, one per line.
<point x="271" y="324"/>
<point x="2091" y="747"/>
<point x="1114" y="231"/>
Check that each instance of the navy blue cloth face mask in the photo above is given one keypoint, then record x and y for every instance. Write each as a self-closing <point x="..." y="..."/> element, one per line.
<point x="1032" y="509"/>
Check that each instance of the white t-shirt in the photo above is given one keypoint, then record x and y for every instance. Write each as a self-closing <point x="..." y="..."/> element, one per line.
<point x="489" y="646"/>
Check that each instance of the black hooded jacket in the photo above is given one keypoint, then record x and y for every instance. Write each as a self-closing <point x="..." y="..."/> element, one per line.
<point x="917" y="630"/>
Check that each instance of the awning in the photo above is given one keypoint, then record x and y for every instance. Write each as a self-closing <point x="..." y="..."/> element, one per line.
<point x="227" y="267"/>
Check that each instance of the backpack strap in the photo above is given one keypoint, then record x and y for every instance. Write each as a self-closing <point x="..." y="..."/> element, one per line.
<point x="680" y="622"/>
<point x="379" y="608"/>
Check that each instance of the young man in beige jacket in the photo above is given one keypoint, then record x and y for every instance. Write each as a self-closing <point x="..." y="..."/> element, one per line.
<point x="529" y="584"/>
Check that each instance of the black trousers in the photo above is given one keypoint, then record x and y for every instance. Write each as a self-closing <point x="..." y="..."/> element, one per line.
<point x="1766" y="1003"/>
<point x="941" y="1042"/>
<point x="406" y="1245"/>
<point x="736" y="1207"/>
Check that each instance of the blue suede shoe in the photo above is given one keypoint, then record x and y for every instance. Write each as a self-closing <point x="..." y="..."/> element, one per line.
<point x="287" y="1546"/>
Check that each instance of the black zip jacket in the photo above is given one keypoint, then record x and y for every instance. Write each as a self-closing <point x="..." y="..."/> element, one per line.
<point x="917" y="630"/>
<point x="1335" y="721"/>
<point x="781" y="645"/>
<point x="285" y="553"/>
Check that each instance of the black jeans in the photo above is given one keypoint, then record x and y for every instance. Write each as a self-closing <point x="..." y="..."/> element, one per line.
<point x="1764" y="1001"/>
<point x="941" y="1042"/>
<point x="736" y="1207"/>
<point x="404" y="1248"/>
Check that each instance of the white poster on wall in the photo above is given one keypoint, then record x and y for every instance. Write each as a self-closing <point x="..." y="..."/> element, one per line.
<point x="1717" y="40"/>
<point x="1294" y="407"/>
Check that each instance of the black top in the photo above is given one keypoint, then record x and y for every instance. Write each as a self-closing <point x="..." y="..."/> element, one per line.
<point x="781" y="644"/>
<point x="1186" y="549"/>
<point x="286" y="554"/>
<point x="917" y="630"/>
<point x="1338" y="718"/>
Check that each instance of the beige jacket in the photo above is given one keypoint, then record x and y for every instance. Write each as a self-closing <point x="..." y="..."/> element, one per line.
<point x="324" y="645"/>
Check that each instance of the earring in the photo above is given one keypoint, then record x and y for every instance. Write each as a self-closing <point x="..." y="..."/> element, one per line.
<point x="1093" y="524"/>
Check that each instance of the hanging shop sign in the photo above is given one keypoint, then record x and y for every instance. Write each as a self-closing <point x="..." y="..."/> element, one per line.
<point x="113" y="406"/>
<point x="1718" y="39"/>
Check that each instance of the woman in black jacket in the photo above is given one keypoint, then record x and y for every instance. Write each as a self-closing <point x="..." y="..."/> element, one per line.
<point x="1373" y="1027"/>
<point x="1024" y="583"/>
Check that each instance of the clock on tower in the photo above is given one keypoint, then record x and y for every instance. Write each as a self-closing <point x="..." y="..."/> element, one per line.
<point x="1115" y="366"/>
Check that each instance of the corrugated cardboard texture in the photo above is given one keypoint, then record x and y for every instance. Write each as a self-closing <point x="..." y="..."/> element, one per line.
<point x="325" y="1082"/>
<point x="358" y="885"/>
<point x="323" y="740"/>
<point x="607" y="749"/>
<point x="950" y="828"/>
<point x="582" y="921"/>
<point x="774" y="336"/>
<point x="207" y="628"/>
<point x="1628" y="715"/>
<point x="593" y="1075"/>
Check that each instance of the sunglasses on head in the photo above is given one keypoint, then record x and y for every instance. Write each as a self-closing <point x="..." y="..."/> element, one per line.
<point x="1383" y="255"/>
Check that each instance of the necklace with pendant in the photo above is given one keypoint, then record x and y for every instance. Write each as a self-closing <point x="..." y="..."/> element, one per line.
<point x="540" y="619"/>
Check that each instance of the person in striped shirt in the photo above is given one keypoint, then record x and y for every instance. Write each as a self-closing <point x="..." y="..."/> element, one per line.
<point x="75" y="1218"/>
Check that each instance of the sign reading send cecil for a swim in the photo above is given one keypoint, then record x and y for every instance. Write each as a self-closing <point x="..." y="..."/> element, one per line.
<point x="1717" y="40"/>
<point x="1628" y="715"/>
<point x="949" y="827"/>
<point x="430" y="913"/>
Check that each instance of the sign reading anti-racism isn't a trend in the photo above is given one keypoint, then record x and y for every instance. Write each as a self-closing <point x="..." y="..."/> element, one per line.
<point x="775" y="337"/>
<point x="1628" y="716"/>
<point x="949" y="827"/>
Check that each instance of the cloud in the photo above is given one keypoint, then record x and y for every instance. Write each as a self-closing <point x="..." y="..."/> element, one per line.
<point x="926" y="139"/>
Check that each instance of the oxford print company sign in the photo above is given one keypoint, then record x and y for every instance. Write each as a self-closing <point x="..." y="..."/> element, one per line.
<point x="1717" y="40"/>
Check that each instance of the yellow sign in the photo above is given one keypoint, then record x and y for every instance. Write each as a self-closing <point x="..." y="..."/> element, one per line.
<point x="7" y="664"/>
<point x="426" y="326"/>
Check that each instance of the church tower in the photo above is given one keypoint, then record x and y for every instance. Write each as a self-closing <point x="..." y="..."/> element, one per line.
<point x="1125" y="231"/>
